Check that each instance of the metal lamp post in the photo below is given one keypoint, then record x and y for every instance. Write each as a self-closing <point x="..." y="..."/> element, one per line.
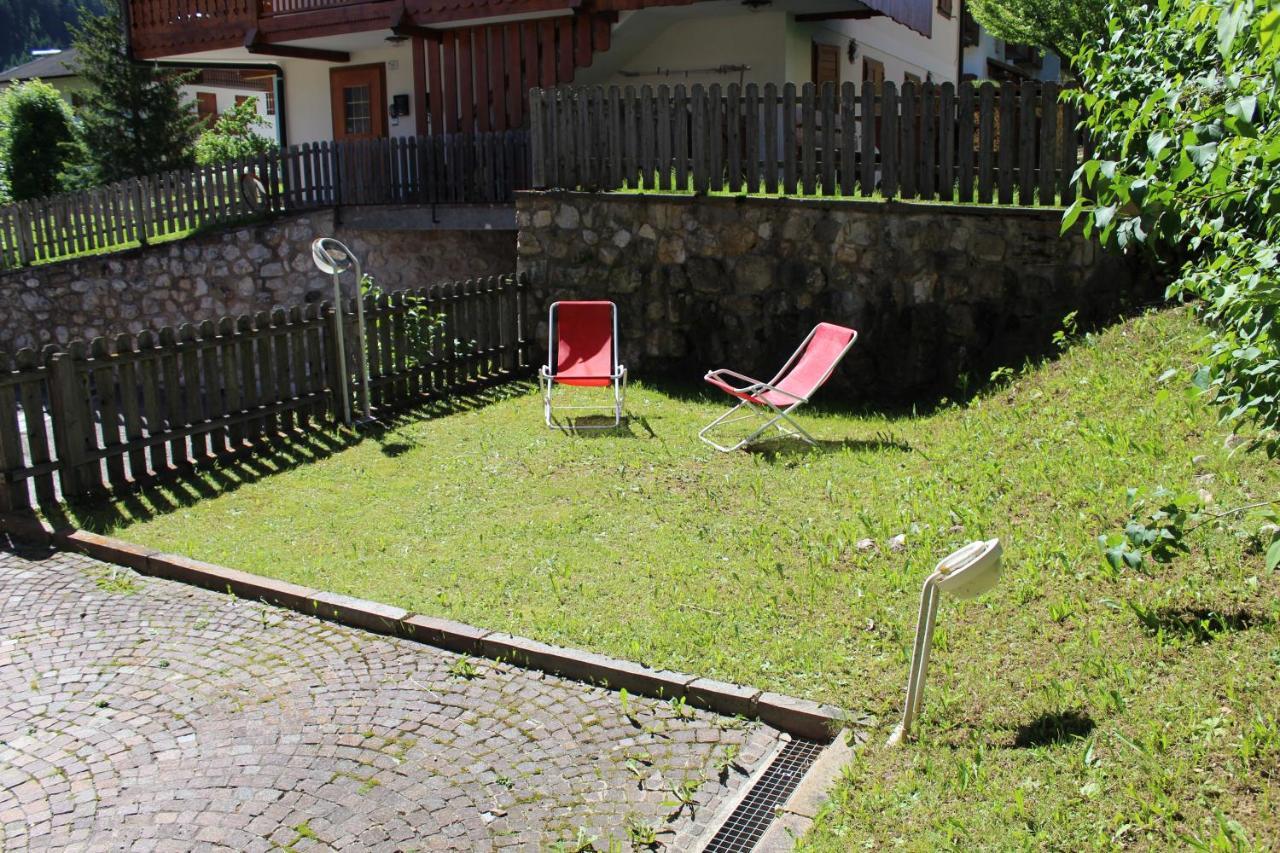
<point x="967" y="573"/>
<point x="334" y="258"/>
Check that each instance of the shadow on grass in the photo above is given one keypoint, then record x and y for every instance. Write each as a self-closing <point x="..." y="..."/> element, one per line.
<point x="1053" y="728"/>
<point x="776" y="449"/>
<point x="209" y="477"/>
<point x="602" y="426"/>
<point x="1200" y="624"/>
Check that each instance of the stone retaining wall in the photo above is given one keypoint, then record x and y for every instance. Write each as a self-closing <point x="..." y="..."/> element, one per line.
<point x="237" y="271"/>
<point x="941" y="294"/>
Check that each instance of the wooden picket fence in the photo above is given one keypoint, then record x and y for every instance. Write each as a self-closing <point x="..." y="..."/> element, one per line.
<point x="124" y="412"/>
<point x="984" y="143"/>
<point x="457" y="169"/>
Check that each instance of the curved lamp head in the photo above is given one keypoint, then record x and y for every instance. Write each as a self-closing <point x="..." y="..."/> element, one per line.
<point x="331" y="256"/>
<point x="971" y="571"/>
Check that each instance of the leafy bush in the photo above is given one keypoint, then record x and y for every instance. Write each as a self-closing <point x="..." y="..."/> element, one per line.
<point x="35" y="129"/>
<point x="1182" y="98"/>
<point x="234" y="136"/>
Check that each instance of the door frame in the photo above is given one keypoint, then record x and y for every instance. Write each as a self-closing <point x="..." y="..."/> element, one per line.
<point x="378" y="106"/>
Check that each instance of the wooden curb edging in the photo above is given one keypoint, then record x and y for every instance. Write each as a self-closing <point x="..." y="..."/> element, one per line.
<point x="797" y="717"/>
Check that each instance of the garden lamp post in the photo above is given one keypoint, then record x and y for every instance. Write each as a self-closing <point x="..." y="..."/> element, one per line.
<point x="967" y="573"/>
<point x="333" y="258"/>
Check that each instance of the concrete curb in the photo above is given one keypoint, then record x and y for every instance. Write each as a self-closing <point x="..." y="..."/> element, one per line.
<point x="797" y="717"/>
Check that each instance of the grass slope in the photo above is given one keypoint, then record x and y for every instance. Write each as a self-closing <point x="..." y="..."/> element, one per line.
<point x="1055" y="717"/>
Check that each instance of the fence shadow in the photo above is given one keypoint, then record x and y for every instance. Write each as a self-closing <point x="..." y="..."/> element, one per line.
<point x="212" y="477"/>
<point x="202" y="480"/>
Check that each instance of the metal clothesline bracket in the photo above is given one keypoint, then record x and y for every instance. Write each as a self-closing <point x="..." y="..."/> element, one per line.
<point x="332" y="257"/>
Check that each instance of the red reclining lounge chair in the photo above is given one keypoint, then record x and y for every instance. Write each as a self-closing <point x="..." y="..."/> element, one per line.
<point x="582" y="350"/>
<point x="774" y="401"/>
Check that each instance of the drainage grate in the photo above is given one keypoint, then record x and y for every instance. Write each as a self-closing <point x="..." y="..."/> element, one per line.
<point x="752" y="817"/>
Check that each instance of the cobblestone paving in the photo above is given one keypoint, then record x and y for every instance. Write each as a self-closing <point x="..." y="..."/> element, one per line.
<point x="139" y="714"/>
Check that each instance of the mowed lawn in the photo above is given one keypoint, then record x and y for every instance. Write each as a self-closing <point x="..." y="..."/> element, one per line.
<point x="1072" y="707"/>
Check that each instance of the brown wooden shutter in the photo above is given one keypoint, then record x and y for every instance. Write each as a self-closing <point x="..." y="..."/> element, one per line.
<point x="873" y="73"/>
<point x="826" y="64"/>
<point x="207" y="107"/>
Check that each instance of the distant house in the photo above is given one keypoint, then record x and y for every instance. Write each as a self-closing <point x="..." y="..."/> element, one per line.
<point x="55" y="68"/>
<point x="353" y="69"/>
<point x="212" y="90"/>
<point x="989" y="58"/>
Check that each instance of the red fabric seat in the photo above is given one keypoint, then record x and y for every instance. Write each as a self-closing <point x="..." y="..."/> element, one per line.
<point x="803" y="374"/>
<point x="828" y="343"/>
<point x="584" y="344"/>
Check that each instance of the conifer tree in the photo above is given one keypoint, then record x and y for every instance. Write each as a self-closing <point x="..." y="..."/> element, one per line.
<point x="133" y="120"/>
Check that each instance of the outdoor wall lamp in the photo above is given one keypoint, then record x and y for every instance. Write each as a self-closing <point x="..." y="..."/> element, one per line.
<point x="334" y="258"/>
<point x="967" y="573"/>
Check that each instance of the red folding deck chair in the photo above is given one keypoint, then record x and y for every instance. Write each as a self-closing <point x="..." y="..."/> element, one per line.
<point x="582" y="350"/>
<point x="774" y="401"/>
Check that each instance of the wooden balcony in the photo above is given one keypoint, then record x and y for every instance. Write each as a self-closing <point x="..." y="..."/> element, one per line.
<point x="162" y="28"/>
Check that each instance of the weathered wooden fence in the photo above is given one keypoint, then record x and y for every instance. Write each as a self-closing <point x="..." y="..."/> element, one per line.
<point x="982" y="143"/>
<point x="458" y="169"/>
<point x="126" y="411"/>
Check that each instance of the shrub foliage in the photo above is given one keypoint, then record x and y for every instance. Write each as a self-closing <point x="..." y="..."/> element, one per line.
<point x="1181" y="99"/>
<point x="234" y="136"/>
<point x="35" y="130"/>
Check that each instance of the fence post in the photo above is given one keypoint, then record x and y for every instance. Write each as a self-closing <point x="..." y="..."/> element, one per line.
<point x="135" y="192"/>
<point x="25" y="255"/>
<point x="70" y="423"/>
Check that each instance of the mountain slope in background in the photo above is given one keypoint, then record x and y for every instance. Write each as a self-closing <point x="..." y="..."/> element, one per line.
<point x="27" y="25"/>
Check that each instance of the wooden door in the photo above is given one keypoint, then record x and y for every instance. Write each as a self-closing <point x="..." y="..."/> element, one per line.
<point x="359" y="101"/>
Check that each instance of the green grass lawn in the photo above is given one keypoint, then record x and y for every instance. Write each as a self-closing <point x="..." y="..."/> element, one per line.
<point x="1073" y="707"/>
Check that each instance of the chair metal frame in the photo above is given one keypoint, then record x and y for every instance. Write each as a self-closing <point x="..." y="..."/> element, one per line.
<point x="547" y="380"/>
<point x="759" y="406"/>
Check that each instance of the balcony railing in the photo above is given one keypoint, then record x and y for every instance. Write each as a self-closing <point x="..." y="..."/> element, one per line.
<point x="171" y="27"/>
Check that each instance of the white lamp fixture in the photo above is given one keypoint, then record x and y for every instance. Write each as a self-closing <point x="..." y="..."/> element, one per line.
<point x="333" y="258"/>
<point x="967" y="573"/>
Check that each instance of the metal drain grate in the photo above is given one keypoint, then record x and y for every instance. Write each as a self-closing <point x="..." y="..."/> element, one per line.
<point x="752" y="817"/>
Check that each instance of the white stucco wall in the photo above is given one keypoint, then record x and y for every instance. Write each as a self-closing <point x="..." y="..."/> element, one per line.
<point x="778" y="49"/>
<point x="656" y="40"/>
<point x="308" y="108"/>
<point x="227" y="99"/>
<point x="900" y="49"/>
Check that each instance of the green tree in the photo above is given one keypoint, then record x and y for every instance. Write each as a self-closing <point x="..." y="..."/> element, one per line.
<point x="134" y="120"/>
<point x="234" y="136"/>
<point x="1061" y="26"/>
<point x="35" y="132"/>
<point x="1183" y="101"/>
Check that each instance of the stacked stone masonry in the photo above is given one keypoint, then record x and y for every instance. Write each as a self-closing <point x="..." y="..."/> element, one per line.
<point x="941" y="294"/>
<point x="231" y="272"/>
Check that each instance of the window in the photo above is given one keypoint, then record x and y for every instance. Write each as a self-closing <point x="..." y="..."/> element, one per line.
<point x="357" y="109"/>
<point x="944" y="7"/>
<point x="271" y="103"/>
<point x="207" y="107"/>
<point x="826" y="64"/>
<point x="912" y="78"/>
<point x="873" y="73"/>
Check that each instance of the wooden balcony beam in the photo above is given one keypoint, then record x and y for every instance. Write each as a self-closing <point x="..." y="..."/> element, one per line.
<point x="849" y="15"/>
<point x="254" y="44"/>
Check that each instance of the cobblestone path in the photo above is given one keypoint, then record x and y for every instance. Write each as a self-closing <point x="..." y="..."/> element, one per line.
<point x="141" y="714"/>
